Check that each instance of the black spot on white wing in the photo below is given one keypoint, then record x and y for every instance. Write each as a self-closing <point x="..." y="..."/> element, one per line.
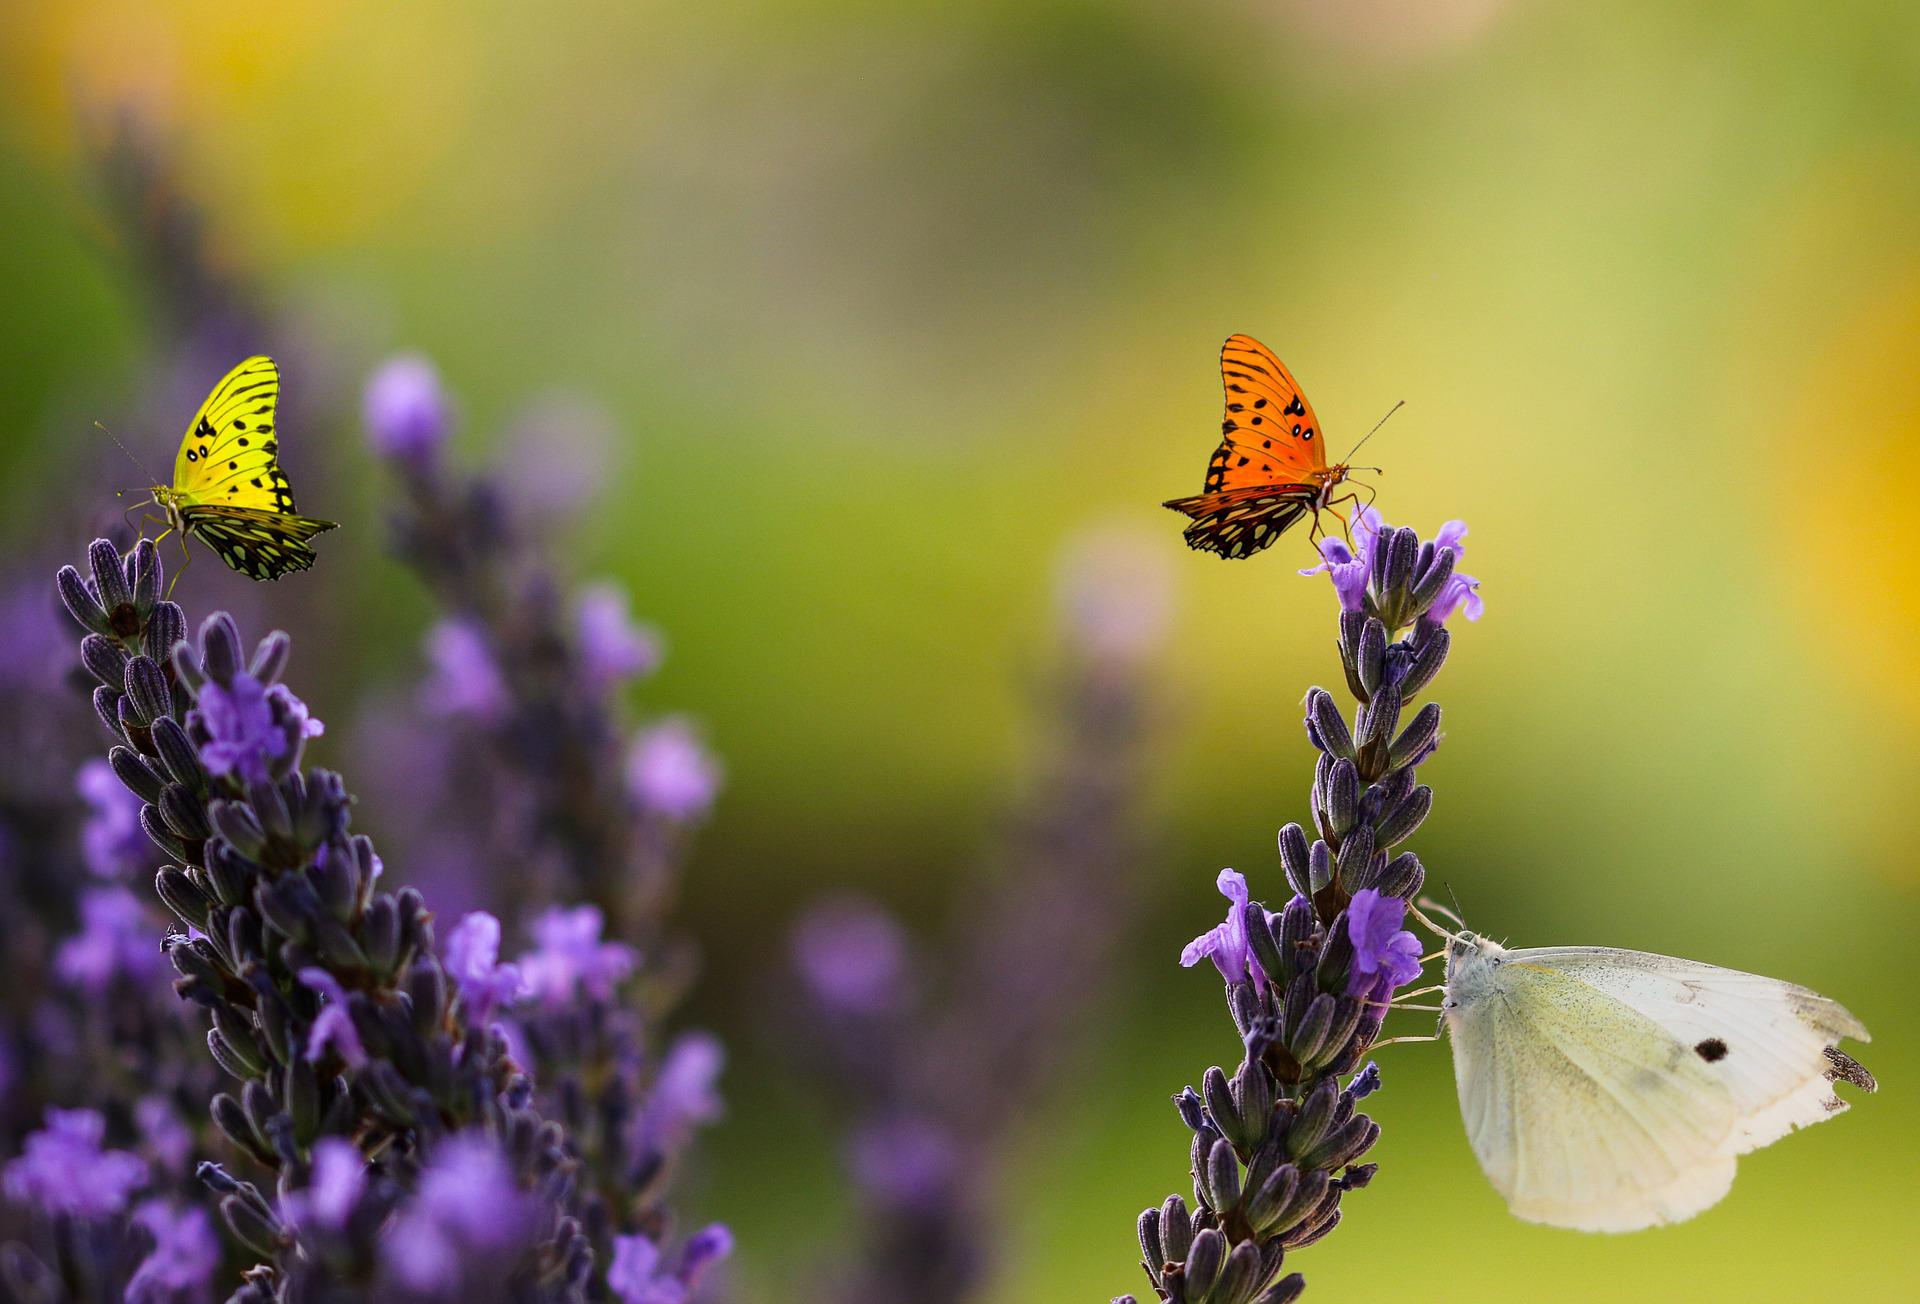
<point x="1711" y="1050"/>
<point x="1842" y="1067"/>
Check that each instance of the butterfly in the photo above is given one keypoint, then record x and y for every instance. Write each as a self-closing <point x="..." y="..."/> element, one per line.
<point x="228" y="490"/>
<point x="1271" y="467"/>
<point x="1607" y="1090"/>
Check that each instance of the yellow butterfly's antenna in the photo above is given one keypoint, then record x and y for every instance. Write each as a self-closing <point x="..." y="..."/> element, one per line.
<point x="138" y="464"/>
<point x="1369" y="435"/>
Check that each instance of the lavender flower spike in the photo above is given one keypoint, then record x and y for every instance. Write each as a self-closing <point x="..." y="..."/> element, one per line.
<point x="62" y="1168"/>
<point x="406" y="411"/>
<point x="1278" y="1143"/>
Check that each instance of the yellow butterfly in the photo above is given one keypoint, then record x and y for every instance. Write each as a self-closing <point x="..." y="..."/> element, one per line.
<point x="228" y="489"/>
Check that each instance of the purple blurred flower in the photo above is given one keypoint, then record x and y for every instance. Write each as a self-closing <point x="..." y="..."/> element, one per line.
<point x="472" y="959"/>
<point x="568" y="955"/>
<point x="467" y="1214"/>
<point x="242" y="735"/>
<point x="671" y="773"/>
<point x="183" y="1259"/>
<point x="612" y="647"/>
<point x="1225" y="945"/>
<point x="1384" y="954"/>
<point x="63" y="1170"/>
<point x="1115" y="592"/>
<point x="1460" y="590"/>
<point x="406" y="411"/>
<point x="333" y="1026"/>
<point x="462" y="677"/>
<point x="906" y="1162"/>
<point x="116" y="940"/>
<point x="168" y="1140"/>
<point x="112" y="841"/>
<point x="685" y="1091"/>
<point x="1350" y="567"/>
<point x="339" y="1178"/>
<point x="638" y="1275"/>
<point x="852" y="955"/>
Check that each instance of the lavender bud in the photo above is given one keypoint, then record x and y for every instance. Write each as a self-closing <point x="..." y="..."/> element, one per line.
<point x="380" y="935"/>
<point x="1356" y="859"/>
<point x="228" y="1058"/>
<point x="1379" y="717"/>
<point x="1370" y="658"/>
<point x="162" y="836"/>
<point x="1325" y="725"/>
<point x="1402" y="877"/>
<point x="1430" y="653"/>
<point x="1400" y="824"/>
<point x="1417" y="739"/>
<point x="1316" y="1114"/>
<point x="1271" y="1199"/>
<point x="1203" y="1262"/>
<point x="1225" y="1115"/>
<point x="231" y="1119"/>
<point x="106" y="705"/>
<point x="1432" y="578"/>
<point x="229" y="874"/>
<point x="234" y="821"/>
<point x="270" y="657"/>
<point x="176" y="752"/>
<point x="1402" y="546"/>
<point x="1336" y="956"/>
<point x="220" y="648"/>
<point x="300" y="1088"/>
<point x="1293" y="858"/>
<point x="182" y="896"/>
<point x="183" y="813"/>
<point x="1176" y="1229"/>
<point x="1344" y="1144"/>
<point x="1296" y="927"/>
<point x="110" y="583"/>
<point x="1343" y="797"/>
<point x="146" y="576"/>
<point x="1151" y="1250"/>
<point x="1355" y="1178"/>
<point x="104" y="659"/>
<point x="427" y="991"/>
<point x="166" y="631"/>
<point x="80" y="603"/>
<point x="1239" y="1275"/>
<point x="1308" y="1035"/>
<point x="135" y="773"/>
<point x="260" y="1234"/>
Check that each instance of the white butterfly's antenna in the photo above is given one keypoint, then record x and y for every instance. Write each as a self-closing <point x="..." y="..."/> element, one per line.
<point x="1369" y="435"/>
<point x="1432" y="927"/>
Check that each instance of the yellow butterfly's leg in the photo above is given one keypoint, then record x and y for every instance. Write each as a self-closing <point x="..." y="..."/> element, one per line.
<point x="186" y="553"/>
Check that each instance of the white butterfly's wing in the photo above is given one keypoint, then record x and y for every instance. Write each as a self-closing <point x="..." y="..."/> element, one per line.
<point x="1610" y="1090"/>
<point x="1583" y="1112"/>
<point x="1767" y="1040"/>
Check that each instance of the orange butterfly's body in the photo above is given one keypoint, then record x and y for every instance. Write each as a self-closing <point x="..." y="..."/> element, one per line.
<point x="1271" y="467"/>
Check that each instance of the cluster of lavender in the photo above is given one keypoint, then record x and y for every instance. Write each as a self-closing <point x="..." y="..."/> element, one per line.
<point x="936" y="1087"/>
<point x="406" y="1159"/>
<point x="1277" y="1143"/>
<point x="516" y="758"/>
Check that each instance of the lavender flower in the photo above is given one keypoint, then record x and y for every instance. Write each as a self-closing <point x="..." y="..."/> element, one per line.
<point x="671" y="774"/>
<point x="468" y="1221"/>
<point x="1278" y="1143"/>
<point x="464" y="679"/>
<point x="685" y="1090"/>
<point x="472" y="957"/>
<point x="641" y="1274"/>
<point x="111" y="839"/>
<point x="325" y="1000"/>
<point x="63" y="1169"/>
<point x="185" y="1255"/>
<point x="406" y="411"/>
<point x="1383" y="952"/>
<point x="852" y="956"/>
<point x="569" y="957"/>
<point x="613" y="649"/>
<point x="115" y="943"/>
<point x="1226" y="944"/>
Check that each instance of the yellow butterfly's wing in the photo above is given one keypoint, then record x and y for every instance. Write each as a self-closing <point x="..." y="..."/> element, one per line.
<point x="227" y="482"/>
<point x="262" y="544"/>
<point x="229" y="456"/>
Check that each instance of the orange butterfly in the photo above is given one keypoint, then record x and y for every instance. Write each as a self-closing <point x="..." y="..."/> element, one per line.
<point x="1271" y="467"/>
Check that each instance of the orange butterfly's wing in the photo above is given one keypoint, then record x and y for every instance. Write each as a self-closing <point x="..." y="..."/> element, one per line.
<point x="1269" y="434"/>
<point x="1260" y="480"/>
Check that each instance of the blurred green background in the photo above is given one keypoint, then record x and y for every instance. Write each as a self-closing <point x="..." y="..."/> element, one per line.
<point x="889" y="303"/>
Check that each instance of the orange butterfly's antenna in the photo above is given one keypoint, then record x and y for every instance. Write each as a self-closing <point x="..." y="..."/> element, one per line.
<point x="1369" y="435"/>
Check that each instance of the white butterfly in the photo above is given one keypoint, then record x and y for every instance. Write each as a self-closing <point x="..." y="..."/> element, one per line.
<point x="1610" y="1090"/>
